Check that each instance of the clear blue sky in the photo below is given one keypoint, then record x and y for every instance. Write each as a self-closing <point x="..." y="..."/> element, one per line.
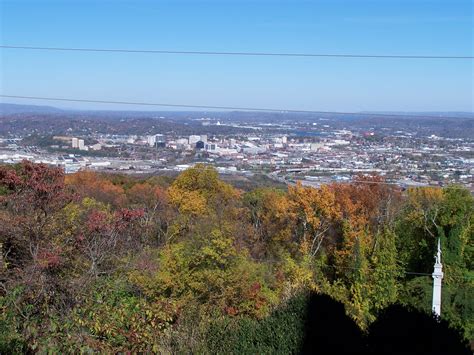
<point x="424" y="27"/>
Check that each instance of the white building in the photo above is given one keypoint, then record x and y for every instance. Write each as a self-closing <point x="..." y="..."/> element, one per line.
<point x="316" y="146"/>
<point x="253" y="149"/>
<point x="75" y="142"/>
<point x="211" y="147"/>
<point x="151" y="140"/>
<point x="182" y="141"/>
<point x="80" y="144"/>
<point x="97" y="146"/>
<point x="155" y="138"/>
<point x="193" y="139"/>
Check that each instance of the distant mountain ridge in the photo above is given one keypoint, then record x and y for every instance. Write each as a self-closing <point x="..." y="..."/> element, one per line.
<point x="8" y="109"/>
<point x="461" y="114"/>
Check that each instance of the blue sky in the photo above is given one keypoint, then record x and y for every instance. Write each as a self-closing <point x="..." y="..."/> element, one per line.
<point x="420" y="27"/>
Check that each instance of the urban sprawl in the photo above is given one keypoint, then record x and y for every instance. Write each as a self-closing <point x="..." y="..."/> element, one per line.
<point x="312" y="151"/>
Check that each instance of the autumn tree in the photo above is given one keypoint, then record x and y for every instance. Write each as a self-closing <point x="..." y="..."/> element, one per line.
<point x="210" y="270"/>
<point x="35" y="255"/>
<point x="446" y="214"/>
<point x="199" y="195"/>
<point x="157" y="212"/>
<point x="364" y="268"/>
<point x="314" y="211"/>
<point x="101" y="188"/>
<point x="32" y="195"/>
<point x="271" y="226"/>
<point x="102" y="235"/>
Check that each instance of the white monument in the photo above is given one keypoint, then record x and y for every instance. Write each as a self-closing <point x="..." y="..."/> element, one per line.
<point x="437" y="277"/>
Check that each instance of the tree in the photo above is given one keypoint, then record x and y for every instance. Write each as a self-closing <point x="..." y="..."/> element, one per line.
<point x="91" y="184"/>
<point x="208" y="268"/>
<point x="33" y="194"/>
<point x="198" y="193"/>
<point x="314" y="211"/>
<point x="271" y="225"/>
<point x="363" y="248"/>
<point x="153" y="200"/>
<point x="447" y="214"/>
<point x="104" y="235"/>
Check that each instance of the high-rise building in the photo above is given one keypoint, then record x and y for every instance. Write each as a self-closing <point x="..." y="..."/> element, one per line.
<point x="151" y="140"/>
<point x="75" y="142"/>
<point x="155" y="139"/>
<point x="80" y="144"/>
<point x="194" y="139"/>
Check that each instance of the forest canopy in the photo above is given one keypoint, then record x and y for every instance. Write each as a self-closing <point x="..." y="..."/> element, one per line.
<point x="112" y="263"/>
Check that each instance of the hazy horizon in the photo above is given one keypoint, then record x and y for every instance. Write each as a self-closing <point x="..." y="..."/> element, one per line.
<point x="143" y="109"/>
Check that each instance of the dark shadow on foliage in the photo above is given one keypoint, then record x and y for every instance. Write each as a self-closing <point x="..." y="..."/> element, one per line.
<point x="328" y="330"/>
<point x="401" y="330"/>
<point x="397" y="330"/>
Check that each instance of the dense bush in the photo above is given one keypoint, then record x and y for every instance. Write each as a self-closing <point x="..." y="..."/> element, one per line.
<point x="282" y="332"/>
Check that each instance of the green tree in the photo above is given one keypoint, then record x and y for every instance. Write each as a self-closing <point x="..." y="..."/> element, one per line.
<point x="446" y="214"/>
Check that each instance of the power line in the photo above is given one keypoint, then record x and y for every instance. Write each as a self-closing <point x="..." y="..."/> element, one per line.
<point x="337" y="267"/>
<point x="398" y="184"/>
<point x="254" y="54"/>
<point x="235" y="108"/>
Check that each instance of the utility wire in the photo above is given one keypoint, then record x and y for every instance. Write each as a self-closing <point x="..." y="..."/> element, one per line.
<point x="407" y="186"/>
<point x="235" y="108"/>
<point x="397" y="184"/>
<point x="254" y="54"/>
<point x="337" y="267"/>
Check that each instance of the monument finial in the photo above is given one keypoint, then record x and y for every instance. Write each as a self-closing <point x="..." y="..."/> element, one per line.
<point x="438" y="255"/>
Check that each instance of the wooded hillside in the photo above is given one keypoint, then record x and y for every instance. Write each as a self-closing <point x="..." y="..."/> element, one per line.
<point x="113" y="263"/>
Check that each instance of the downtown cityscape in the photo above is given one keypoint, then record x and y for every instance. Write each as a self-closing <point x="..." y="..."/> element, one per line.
<point x="283" y="147"/>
